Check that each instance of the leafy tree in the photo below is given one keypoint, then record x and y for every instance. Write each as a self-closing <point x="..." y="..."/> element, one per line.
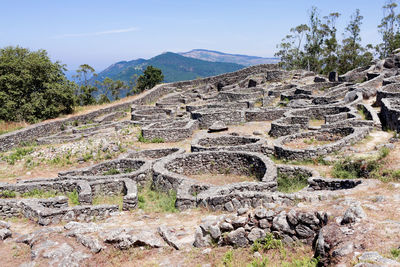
<point x="85" y="91"/>
<point x="352" y="54"/>
<point x="32" y="87"/>
<point x="315" y="39"/>
<point x="329" y="53"/>
<point x="291" y="53"/>
<point x="150" y="78"/>
<point x="110" y="87"/>
<point x="389" y="29"/>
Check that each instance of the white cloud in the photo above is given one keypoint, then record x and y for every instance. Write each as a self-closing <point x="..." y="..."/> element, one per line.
<point x="132" y="29"/>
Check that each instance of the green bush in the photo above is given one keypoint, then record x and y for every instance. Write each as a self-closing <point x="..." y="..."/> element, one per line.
<point x="32" y="87"/>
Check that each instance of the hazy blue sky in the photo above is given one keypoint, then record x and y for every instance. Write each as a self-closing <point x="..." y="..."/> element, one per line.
<point x="102" y="32"/>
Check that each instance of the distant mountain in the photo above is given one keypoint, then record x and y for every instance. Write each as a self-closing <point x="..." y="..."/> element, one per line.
<point x="215" y="56"/>
<point x="175" y="67"/>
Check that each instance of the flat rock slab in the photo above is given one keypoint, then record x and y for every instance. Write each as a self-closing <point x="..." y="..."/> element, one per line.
<point x="217" y="126"/>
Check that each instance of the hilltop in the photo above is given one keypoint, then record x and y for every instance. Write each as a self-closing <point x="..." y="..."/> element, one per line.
<point x="175" y="67"/>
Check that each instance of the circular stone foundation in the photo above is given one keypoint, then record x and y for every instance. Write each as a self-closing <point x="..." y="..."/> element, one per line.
<point x="227" y="142"/>
<point x="176" y="170"/>
<point x="317" y="143"/>
<point x="153" y="154"/>
<point x="134" y="169"/>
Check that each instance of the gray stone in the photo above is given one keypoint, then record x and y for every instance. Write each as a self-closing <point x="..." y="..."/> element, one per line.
<point x="264" y="224"/>
<point x="229" y="206"/>
<point x="214" y="231"/>
<point x="376" y="258"/>
<point x="4" y="224"/>
<point x="304" y="231"/>
<point x="225" y="227"/>
<point x="343" y="250"/>
<point x="353" y="214"/>
<point x="237" y="238"/>
<point x="239" y="221"/>
<point x="255" y="234"/>
<point x="201" y="239"/>
<point x="242" y="211"/>
<point x="217" y="126"/>
<point x="168" y="235"/>
<point x="260" y="213"/>
<point x="90" y="242"/>
<point x="5" y="233"/>
<point x="280" y="223"/>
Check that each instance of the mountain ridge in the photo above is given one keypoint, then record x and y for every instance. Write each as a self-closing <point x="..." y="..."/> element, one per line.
<point x="217" y="56"/>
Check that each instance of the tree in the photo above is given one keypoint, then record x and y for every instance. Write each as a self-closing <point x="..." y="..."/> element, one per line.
<point x="315" y="39"/>
<point x="85" y="91"/>
<point x="150" y="78"/>
<point x="291" y="53"/>
<point x="389" y="29"/>
<point x="330" y="51"/>
<point x="108" y="88"/>
<point x="32" y="87"/>
<point x="352" y="54"/>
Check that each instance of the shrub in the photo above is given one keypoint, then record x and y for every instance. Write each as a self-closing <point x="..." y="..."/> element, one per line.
<point x="33" y="87"/>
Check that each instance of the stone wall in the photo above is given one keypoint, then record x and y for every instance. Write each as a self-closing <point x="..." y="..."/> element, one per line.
<point x="349" y="135"/>
<point x="227" y="142"/>
<point x="207" y="117"/>
<point x="170" y="132"/>
<point x="248" y="227"/>
<point x="390" y="114"/>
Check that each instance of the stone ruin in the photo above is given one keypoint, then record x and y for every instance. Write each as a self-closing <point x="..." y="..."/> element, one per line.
<point x="183" y="111"/>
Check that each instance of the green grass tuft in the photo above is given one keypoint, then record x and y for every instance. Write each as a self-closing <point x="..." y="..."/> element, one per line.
<point x="291" y="184"/>
<point x="154" y="201"/>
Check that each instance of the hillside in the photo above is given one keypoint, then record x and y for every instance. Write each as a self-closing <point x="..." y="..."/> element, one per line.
<point x="215" y="56"/>
<point x="174" y="67"/>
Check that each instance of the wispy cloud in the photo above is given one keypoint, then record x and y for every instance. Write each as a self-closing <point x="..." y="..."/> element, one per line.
<point x="70" y="35"/>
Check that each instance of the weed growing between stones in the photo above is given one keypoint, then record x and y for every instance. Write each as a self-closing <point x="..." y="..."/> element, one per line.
<point x="291" y="184"/>
<point x="7" y="194"/>
<point x="267" y="243"/>
<point x="112" y="171"/>
<point x="154" y="201"/>
<point x="37" y="193"/>
<point x="108" y="200"/>
<point x="144" y="140"/>
<point x="73" y="198"/>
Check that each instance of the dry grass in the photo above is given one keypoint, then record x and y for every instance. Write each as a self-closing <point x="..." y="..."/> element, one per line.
<point x="222" y="179"/>
<point x="302" y="143"/>
<point x="219" y="256"/>
<point x="10" y="126"/>
<point x="316" y="123"/>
